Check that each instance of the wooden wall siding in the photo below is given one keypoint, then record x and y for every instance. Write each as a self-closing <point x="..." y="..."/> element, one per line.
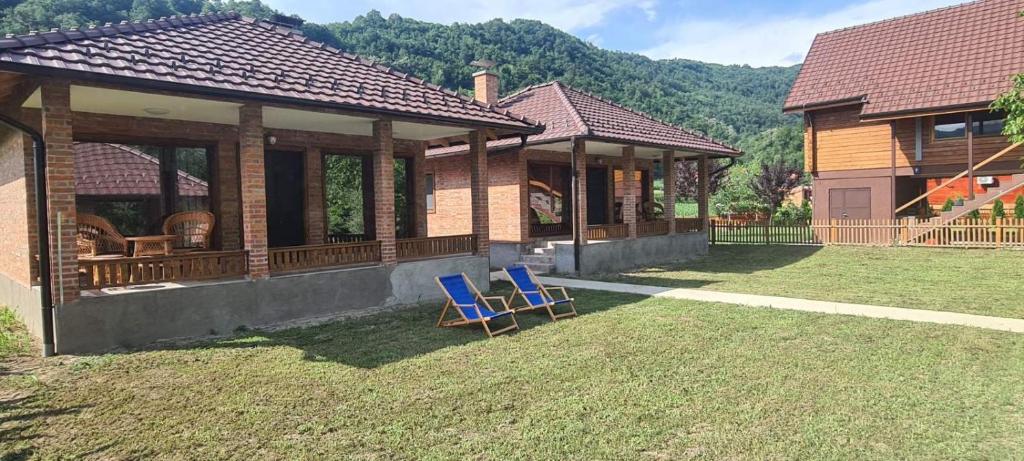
<point x="846" y="143"/>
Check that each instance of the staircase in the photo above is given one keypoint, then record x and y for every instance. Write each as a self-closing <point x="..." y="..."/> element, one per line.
<point x="540" y="258"/>
<point x="1015" y="183"/>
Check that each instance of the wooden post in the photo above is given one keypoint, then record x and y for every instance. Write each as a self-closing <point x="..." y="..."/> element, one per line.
<point x="999" y="233"/>
<point x="969" y="129"/>
<point x="892" y="179"/>
<point x="833" y="232"/>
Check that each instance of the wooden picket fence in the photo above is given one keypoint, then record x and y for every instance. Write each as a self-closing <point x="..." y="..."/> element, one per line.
<point x="961" y="233"/>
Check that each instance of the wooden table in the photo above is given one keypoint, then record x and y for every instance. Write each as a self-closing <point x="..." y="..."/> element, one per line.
<point x="152" y="245"/>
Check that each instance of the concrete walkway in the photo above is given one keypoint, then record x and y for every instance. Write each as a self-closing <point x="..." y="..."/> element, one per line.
<point x="777" y="302"/>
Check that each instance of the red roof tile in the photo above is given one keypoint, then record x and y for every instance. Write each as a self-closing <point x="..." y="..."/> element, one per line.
<point x="957" y="56"/>
<point x="567" y="112"/>
<point x="229" y="53"/>
<point x="117" y="170"/>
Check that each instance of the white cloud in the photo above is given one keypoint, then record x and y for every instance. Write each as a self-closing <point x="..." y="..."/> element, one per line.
<point x="569" y="15"/>
<point x="769" y="41"/>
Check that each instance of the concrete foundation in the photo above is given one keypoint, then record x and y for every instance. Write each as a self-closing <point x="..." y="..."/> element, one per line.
<point x="618" y="255"/>
<point x="138" y="317"/>
<point x="25" y="302"/>
<point x="504" y="254"/>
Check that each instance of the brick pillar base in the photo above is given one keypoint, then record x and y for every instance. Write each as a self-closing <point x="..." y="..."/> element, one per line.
<point x="629" y="188"/>
<point x="254" y="189"/>
<point x="478" y="185"/>
<point x="60" y="188"/>
<point x="668" y="175"/>
<point x="384" y="190"/>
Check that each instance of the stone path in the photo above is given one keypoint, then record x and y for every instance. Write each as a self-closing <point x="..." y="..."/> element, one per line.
<point x="777" y="302"/>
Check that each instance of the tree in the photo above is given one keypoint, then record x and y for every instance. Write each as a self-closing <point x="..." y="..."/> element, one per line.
<point x="1018" y="207"/>
<point x="688" y="183"/>
<point x="998" y="211"/>
<point x="774" y="182"/>
<point x="948" y="205"/>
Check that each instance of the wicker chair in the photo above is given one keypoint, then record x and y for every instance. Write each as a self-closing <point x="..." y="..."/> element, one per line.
<point x="194" y="229"/>
<point x="97" y="236"/>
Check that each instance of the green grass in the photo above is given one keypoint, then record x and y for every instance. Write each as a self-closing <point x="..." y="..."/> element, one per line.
<point x="14" y="339"/>
<point x="984" y="282"/>
<point x="632" y="378"/>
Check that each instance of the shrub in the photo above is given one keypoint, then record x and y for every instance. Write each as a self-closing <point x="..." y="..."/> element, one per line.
<point x="1018" y="207"/>
<point x="998" y="211"/>
<point x="948" y="206"/>
<point x="974" y="214"/>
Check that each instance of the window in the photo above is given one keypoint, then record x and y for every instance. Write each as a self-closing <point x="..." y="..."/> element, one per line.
<point x="987" y="123"/>
<point x="430" y="192"/>
<point x="950" y="126"/>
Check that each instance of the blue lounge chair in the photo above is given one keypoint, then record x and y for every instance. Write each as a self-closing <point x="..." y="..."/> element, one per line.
<point x="471" y="305"/>
<point x="535" y="295"/>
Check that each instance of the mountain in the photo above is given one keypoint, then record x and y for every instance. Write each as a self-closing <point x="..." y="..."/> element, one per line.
<point x="740" y="105"/>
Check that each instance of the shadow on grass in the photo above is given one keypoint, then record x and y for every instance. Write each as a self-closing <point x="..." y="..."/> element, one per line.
<point x="19" y="419"/>
<point x="382" y="339"/>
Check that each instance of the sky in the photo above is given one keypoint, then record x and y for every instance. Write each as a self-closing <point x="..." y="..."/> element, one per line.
<point x="753" y="32"/>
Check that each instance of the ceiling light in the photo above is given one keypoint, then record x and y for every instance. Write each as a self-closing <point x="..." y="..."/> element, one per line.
<point x="156" y="111"/>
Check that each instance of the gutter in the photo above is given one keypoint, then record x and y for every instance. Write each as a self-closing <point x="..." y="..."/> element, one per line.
<point x="42" y="222"/>
<point x="863" y="99"/>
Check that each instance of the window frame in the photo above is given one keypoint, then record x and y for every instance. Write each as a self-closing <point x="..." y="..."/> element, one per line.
<point x="935" y="124"/>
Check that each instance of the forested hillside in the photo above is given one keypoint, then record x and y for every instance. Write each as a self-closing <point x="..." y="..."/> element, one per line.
<point x="736" y="104"/>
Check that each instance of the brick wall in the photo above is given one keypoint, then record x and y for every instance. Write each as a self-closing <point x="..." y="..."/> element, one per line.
<point x="505" y="198"/>
<point x="60" y="183"/>
<point x="15" y="250"/>
<point x="253" y="178"/>
<point x="453" y="209"/>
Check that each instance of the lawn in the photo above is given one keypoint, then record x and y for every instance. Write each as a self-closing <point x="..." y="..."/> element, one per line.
<point x="632" y="378"/>
<point x="984" y="282"/>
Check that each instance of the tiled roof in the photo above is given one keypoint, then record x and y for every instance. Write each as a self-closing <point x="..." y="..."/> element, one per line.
<point x="117" y="170"/>
<point x="567" y="112"/>
<point x="956" y="56"/>
<point x="228" y="53"/>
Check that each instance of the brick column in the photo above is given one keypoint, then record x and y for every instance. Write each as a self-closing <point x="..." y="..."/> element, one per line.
<point x="628" y="188"/>
<point x="316" y="217"/>
<point x="228" y="203"/>
<point x="524" y="196"/>
<point x="581" y="194"/>
<point x="419" y="188"/>
<point x="702" y="190"/>
<point x="384" y="190"/>
<point x="60" y="187"/>
<point x="478" y="186"/>
<point x="254" y="188"/>
<point x="668" y="180"/>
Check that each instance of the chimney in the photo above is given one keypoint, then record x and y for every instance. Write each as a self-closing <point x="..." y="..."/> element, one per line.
<point x="485" y="86"/>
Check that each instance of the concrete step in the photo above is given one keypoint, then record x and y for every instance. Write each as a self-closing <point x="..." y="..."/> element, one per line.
<point x="540" y="268"/>
<point x="537" y="259"/>
<point x="544" y="251"/>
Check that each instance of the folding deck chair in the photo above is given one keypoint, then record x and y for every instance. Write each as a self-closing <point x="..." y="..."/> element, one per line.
<point x="471" y="305"/>
<point x="535" y="295"/>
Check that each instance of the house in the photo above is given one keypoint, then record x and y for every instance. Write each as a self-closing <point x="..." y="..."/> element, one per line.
<point x="238" y="117"/>
<point x="578" y="197"/>
<point x="896" y="113"/>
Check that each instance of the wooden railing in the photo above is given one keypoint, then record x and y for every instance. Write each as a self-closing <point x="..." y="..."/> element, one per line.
<point x="432" y="247"/>
<point x="651" y="228"/>
<point x="607" y="232"/>
<point x="689" y="225"/>
<point x="960" y="233"/>
<point x="550" y="229"/>
<point x="345" y="238"/>
<point x="104" y="273"/>
<point x="307" y="257"/>
<point x="958" y="177"/>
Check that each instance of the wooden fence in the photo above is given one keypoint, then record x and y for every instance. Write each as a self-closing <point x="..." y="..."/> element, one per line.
<point x="689" y="225"/>
<point x="551" y="229"/>
<point x="307" y="257"/>
<point x="961" y="233"/>
<point x="206" y="265"/>
<point x="345" y="238"/>
<point x="607" y="232"/>
<point x="431" y="247"/>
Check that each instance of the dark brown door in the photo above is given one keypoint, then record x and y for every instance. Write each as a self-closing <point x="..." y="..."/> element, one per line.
<point x="285" y="201"/>
<point x="849" y="203"/>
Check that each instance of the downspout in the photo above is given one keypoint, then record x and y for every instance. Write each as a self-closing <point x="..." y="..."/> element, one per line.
<point x="576" y="247"/>
<point x="43" y="223"/>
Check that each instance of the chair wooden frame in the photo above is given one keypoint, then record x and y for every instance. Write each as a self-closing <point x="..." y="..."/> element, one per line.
<point x="462" y="320"/>
<point x="98" y="236"/>
<point x="544" y="293"/>
<point x="194" y="230"/>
